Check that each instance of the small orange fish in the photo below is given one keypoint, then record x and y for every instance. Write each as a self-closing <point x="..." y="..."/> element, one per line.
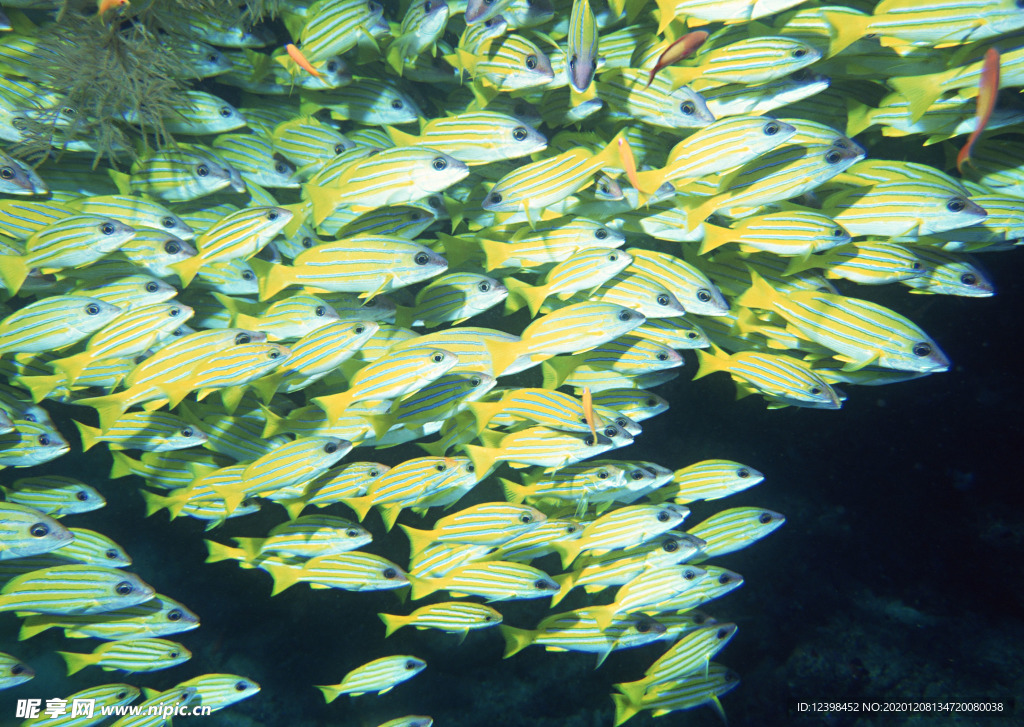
<point x="988" y="90"/>
<point x="105" y="5"/>
<point x="629" y="161"/>
<point x="679" y="50"/>
<point x="296" y="55"/>
<point x="588" y="411"/>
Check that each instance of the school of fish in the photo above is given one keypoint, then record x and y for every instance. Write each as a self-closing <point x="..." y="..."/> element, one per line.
<point x="489" y="228"/>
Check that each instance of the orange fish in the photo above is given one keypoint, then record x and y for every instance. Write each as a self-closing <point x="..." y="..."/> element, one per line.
<point x="588" y="411"/>
<point x="297" y="56"/>
<point x="105" y="5"/>
<point x="628" y="161"/>
<point x="988" y="90"/>
<point x="679" y="50"/>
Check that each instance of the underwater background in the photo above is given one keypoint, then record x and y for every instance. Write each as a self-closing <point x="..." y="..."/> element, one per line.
<point x="896" y="577"/>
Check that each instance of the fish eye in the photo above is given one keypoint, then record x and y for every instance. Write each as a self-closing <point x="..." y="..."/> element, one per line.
<point x="593" y="64"/>
<point x="588" y="440"/>
<point x="610" y="431"/>
<point x="241" y="686"/>
<point x="92" y="309"/>
<point x="670" y="546"/>
<point x="470" y="468"/>
<point x="202" y="170"/>
<point x="427" y="6"/>
<point x="838" y="232"/>
<point x="440" y="164"/>
<point x="799" y="52"/>
<point x="662" y="356"/>
<point x="29" y="417"/>
<point x="722" y="633"/>
<point x="625" y="315"/>
<point x="330" y="448"/>
<point x="174" y="312"/>
<point x="484" y="287"/>
<point x="636" y="475"/>
<point x="743" y="473"/>
<point x="662" y="299"/>
<point x="531" y="62"/>
<point x="643" y="627"/>
<point x="602" y="474"/>
<point x="332" y="66"/>
<point x="242" y="338"/>
<point x="688" y="108"/>
<point x="494" y="198"/>
<point x="307" y="242"/>
<point x="44" y="440"/>
<point x="922" y="349"/>
<point x="572" y="63"/>
<point x="437" y="357"/>
<point x="519" y="133"/>
<point x="81" y="495"/>
<point x="152" y="286"/>
<point x="915" y="265"/>
<point x="107" y="228"/>
<point x="475" y="381"/>
<point x="613" y="257"/>
<point x="352" y="533"/>
<point x="359" y="329"/>
<point x="389" y="573"/>
<point x="600" y="233"/>
<point x="620" y="422"/>
<point x="248" y="275"/>
<point x="274" y="354"/>
<point x="421" y="258"/>
<point x="6" y="173"/>
<point x="225" y="112"/>
<point x="124" y="588"/>
<point x="339" y="148"/>
<point x="39" y="530"/>
<point x="272" y="215"/>
<point x="397" y="104"/>
<point x="815" y="390"/>
<point x="725" y="579"/>
<point x="541" y="585"/>
<point x="764" y="518"/>
<point x="175" y="615"/>
<point x="321" y="311"/>
<point x="689" y="574"/>
<point x="970" y="278"/>
<point x="956" y="205"/>
<point x="110" y="553"/>
<point x="374" y="473"/>
<point x="663" y="516"/>
<point x="171" y="247"/>
<point x="771" y="129"/>
<point x="833" y="157"/>
<point x="17" y="669"/>
<point x="652" y="402"/>
<point x="526" y="518"/>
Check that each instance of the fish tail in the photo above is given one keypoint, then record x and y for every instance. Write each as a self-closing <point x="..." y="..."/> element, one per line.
<point x="483" y="412"/>
<point x="392" y="622"/>
<point x="40" y="386"/>
<point x="76" y="662"/>
<point x="389" y="515"/>
<point x="293" y="506"/>
<point x="90" y="435"/>
<point x="272" y="278"/>
<point x="219" y="552"/>
<point x="515" y="639"/>
<point x="334" y="405"/>
<point x="31" y="626"/>
<point x="697" y="212"/>
<point x="532" y="295"/>
<point x="458" y="249"/>
<point x="154" y="502"/>
<point x="324" y="201"/>
<point x="858" y="117"/>
<point x="714" y="237"/>
<point x="249" y="547"/>
<point x="666" y="14"/>
<point x="603" y="615"/>
<point x="483" y="458"/>
<point x="418" y="539"/>
<point x="568" y="551"/>
<point x="649" y="181"/>
<point x="330" y="693"/>
<point x="122" y="465"/>
<point x="109" y="408"/>
<point x="266" y="385"/>
<point x="359" y="505"/>
<point x="624" y="708"/>
<point x="381" y="423"/>
<point x="503" y="354"/>
<point x="709" y="363"/>
<point x="514" y="492"/>
<point x="13" y="271"/>
<point x="421" y="587"/>
<point x="759" y="295"/>
<point x="274" y="424"/>
<point x="920" y="91"/>
<point x="556" y="370"/>
<point x="401" y="138"/>
<point x="496" y="253"/>
<point x="72" y="366"/>
<point x="187" y="269"/>
<point x="846" y="29"/>
<point x="566" y="582"/>
<point x="284" y="578"/>
<point x="404" y="316"/>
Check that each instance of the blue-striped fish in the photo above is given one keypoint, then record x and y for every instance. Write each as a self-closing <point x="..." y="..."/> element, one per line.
<point x="130" y="656"/>
<point x="378" y="676"/>
<point x="26" y="531"/>
<point x="454" y="617"/>
<point x="73" y="589"/>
